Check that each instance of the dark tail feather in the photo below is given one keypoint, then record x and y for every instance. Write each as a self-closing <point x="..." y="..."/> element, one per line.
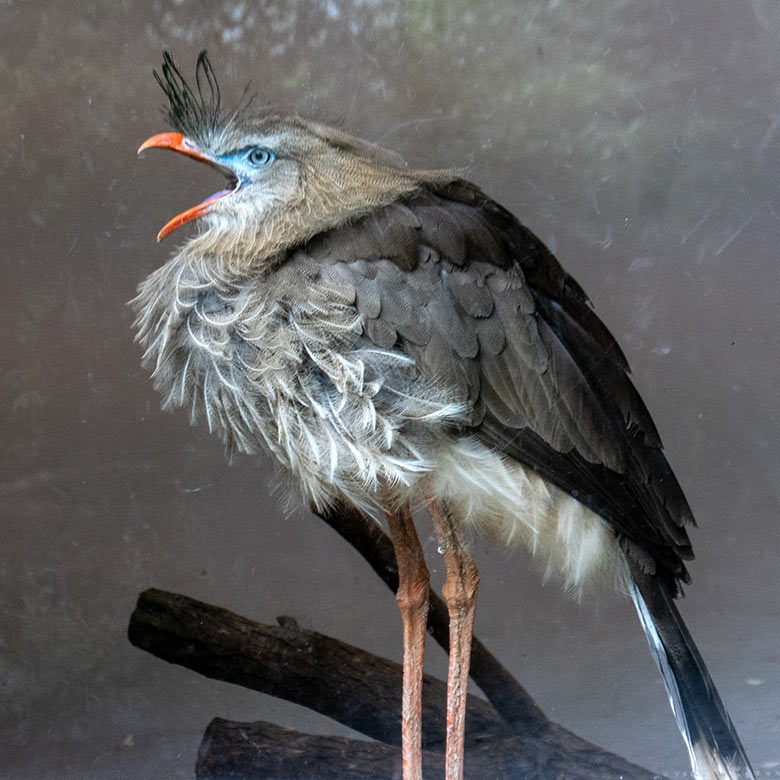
<point x="713" y="745"/>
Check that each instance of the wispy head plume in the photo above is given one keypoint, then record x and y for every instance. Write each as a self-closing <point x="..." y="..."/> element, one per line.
<point x="197" y="113"/>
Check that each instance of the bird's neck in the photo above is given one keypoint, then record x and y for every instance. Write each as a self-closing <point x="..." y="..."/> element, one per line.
<point x="253" y="236"/>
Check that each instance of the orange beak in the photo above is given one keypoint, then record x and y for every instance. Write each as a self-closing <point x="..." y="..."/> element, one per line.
<point x="178" y="143"/>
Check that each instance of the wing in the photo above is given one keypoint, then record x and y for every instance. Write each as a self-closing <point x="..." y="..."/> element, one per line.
<point x="453" y="280"/>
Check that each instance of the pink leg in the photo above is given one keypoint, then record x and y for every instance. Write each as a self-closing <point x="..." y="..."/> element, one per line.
<point x="460" y="593"/>
<point x="412" y="597"/>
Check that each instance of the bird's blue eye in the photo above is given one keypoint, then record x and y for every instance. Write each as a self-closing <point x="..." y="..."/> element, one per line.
<point x="259" y="157"/>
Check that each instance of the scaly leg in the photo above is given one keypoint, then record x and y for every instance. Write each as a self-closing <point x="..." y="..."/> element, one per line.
<point x="412" y="597"/>
<point x="460" y="593"/>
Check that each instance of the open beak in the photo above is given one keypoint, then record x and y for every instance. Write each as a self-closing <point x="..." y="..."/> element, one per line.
<point x="178" y="143"/>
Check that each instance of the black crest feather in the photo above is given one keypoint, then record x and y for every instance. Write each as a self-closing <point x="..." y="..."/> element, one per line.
<point x="196" y="113"/>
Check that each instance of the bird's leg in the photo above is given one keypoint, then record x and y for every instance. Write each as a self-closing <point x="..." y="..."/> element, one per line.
<point x="460" y="593"/>
<point x="412" y="597"/>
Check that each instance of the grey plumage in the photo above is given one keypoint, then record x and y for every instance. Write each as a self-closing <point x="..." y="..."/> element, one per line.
<point x="390" y="335"/>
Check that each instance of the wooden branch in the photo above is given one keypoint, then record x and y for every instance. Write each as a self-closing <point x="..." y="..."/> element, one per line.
<point x="263" y="751"/>
<point x="354" y="687"/>
<point x="345" y="683"/>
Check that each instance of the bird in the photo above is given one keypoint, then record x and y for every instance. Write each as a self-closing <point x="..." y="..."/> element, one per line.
<point x="397" y="341"/>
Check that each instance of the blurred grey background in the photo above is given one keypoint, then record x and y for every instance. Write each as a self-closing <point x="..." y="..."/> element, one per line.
<point x="639" y="138"/>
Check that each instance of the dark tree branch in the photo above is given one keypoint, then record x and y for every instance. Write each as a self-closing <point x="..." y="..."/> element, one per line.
<point x="262" y="751"/>
<point x="345" y="683"/>
<point x="353" y="687"/>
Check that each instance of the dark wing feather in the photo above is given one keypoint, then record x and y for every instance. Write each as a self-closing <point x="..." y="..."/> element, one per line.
<point x="455" y="281"/>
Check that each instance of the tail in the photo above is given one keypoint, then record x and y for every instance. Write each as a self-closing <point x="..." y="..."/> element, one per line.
<point x="713" y="745"/>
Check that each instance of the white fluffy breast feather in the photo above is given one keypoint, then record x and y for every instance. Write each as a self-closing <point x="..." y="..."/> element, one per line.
<point x="347" y="420"/>
<point x="514" y="505"/>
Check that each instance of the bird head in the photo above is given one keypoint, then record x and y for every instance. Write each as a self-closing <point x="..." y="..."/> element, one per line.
<point x="287" y="178"/>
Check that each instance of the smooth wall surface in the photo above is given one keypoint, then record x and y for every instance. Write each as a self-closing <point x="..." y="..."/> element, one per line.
<point x="639" y="138"/>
